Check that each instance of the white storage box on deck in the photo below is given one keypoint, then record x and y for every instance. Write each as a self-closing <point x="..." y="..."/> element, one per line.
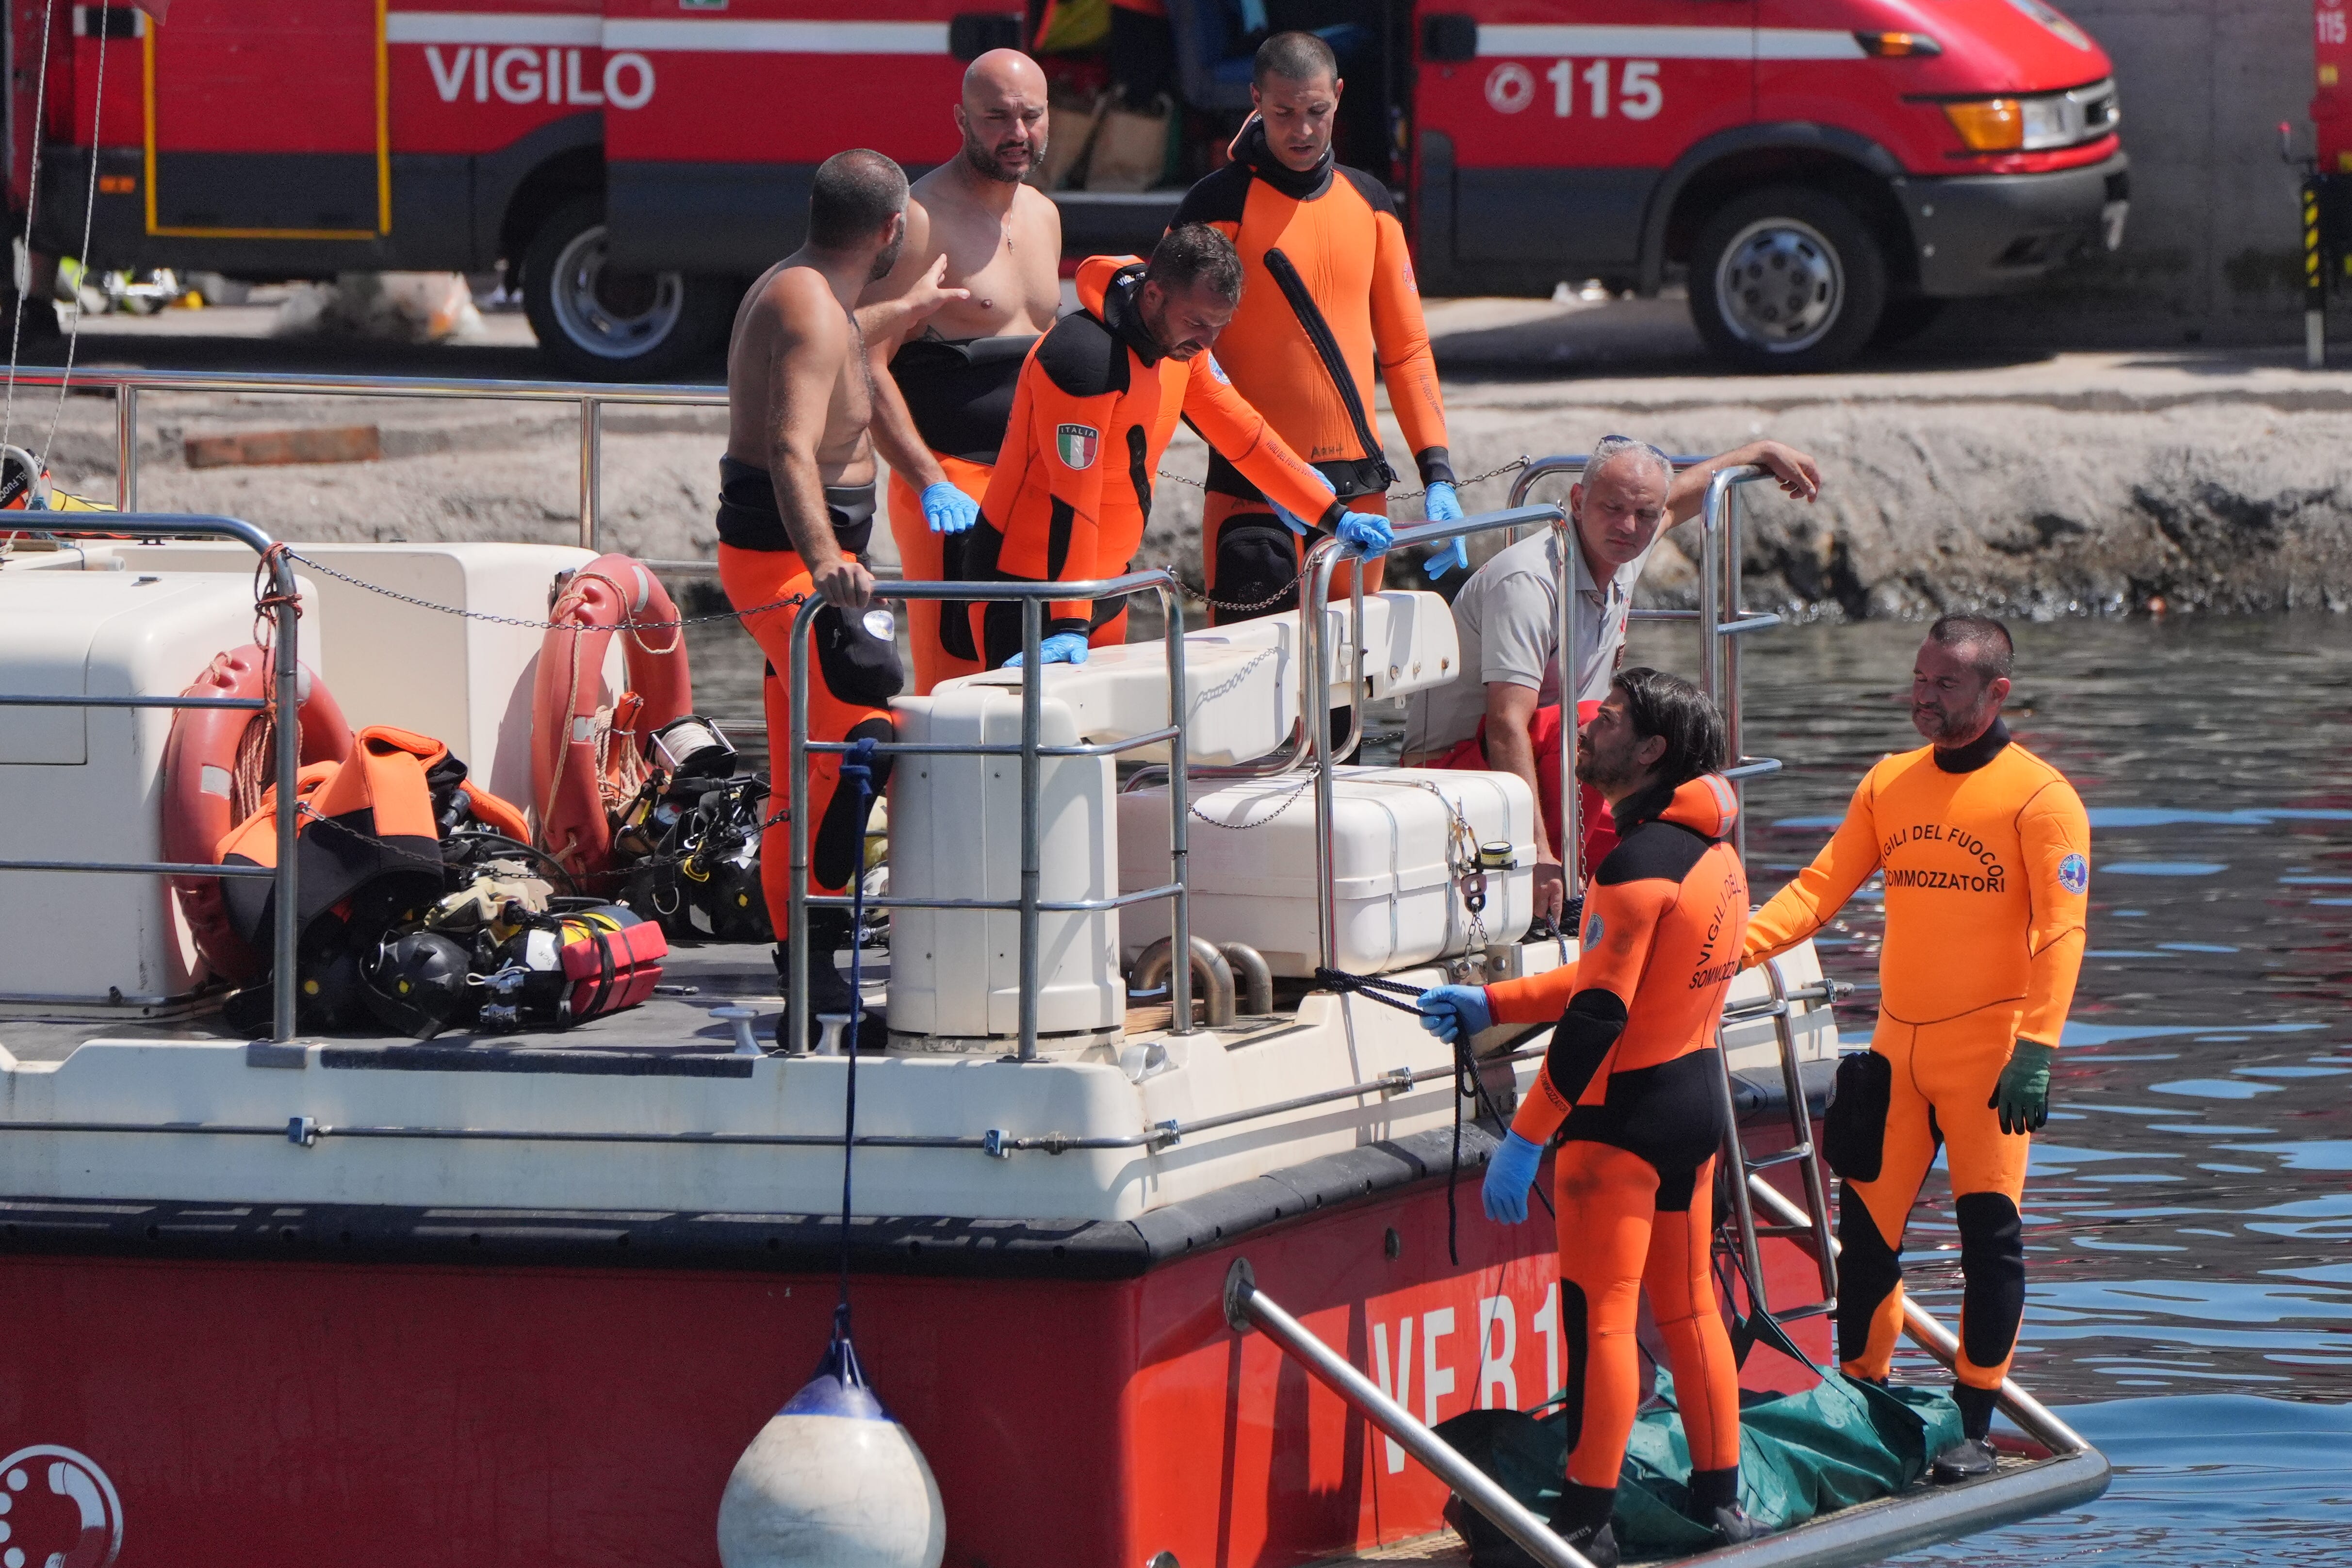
<point x="85" y="783"/>
<point x="955" y="833"/>
<point x="1397" y="898"/>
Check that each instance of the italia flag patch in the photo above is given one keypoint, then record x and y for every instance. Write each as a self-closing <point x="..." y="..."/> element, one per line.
<point x="1076" y="445"/>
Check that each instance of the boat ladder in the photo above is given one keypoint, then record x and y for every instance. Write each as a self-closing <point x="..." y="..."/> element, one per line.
<point x="1741" y="1170"/>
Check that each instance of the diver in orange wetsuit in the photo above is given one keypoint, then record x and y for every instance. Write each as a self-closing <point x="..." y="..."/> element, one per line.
<point x="1632" y="1085"/>
<point x="1095" y="404"/>
<point x="795" y="511"/>
<point x="1987" y="852"/>
<point x="1329" y="303"/>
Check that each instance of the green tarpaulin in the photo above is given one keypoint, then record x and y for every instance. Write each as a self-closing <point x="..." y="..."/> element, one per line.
<point x="1801" y="1454"/>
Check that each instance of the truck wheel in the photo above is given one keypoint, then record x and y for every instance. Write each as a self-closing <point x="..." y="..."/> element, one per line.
<point x="1786" y="278"/>
<point x="601" y="323"/>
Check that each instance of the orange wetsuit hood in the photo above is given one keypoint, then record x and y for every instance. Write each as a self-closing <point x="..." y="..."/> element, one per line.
<point x="1707" y="805"/>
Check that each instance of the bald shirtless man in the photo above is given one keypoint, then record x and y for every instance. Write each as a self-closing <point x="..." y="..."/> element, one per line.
<point x="796" y="508"/>
<point x="988" y="248"/>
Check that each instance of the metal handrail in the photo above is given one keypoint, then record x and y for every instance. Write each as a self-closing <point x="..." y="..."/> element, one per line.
<point x="1719" y="664"/>
<point x="1718" y="654"/>
<point x="286" y="672"/>
<point x="1323" y="558"/>
<point x="1248" y="1307"/>
<point x="590" y="397"/>
<point x="1033" y="598"/>
<point x="2033" y="1418"/>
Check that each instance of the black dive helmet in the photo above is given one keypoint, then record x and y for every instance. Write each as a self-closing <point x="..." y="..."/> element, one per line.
<point x="416" y="985"/>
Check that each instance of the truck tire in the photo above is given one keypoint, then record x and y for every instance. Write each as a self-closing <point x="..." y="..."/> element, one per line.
<point x="604" y="324"/>
<point x="1786" y="278"/>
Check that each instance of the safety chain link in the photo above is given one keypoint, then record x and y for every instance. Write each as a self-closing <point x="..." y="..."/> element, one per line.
<point x="1513" y="466"/>
<point x="1288" y="589"/>
<point x="1195" y="809"/>
<point x="400" y="597"/>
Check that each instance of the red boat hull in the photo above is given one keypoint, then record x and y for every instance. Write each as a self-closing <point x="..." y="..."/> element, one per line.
<point x="357" y="1414"/>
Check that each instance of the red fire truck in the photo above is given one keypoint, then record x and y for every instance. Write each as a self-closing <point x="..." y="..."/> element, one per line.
<point x="1822" y="173"/>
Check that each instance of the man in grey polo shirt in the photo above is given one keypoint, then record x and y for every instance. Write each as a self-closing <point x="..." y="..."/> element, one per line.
<point x="1506" y="698"/>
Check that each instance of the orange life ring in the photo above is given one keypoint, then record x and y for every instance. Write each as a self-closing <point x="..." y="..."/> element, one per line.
<point x="200" y="809"/>
<point x="577" y="772"/>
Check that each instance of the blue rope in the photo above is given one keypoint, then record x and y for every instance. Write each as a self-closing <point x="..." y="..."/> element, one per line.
<point x="857" y="772"/>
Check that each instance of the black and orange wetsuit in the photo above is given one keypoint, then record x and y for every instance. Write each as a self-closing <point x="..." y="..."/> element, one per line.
<point x="853" y="674"/>
<point x="1072" y="491"/>
<point x="1328" y="300"/>
<point x="1634" y="1073"/>
<point x="960" y="393"/>
<point x="1986" y="855"/>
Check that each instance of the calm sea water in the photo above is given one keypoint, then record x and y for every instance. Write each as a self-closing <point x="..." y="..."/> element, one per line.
<point x="2190" y="1283"/>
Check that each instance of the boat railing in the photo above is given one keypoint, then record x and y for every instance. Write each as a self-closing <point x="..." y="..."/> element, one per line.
<point x="2072" y="1472"/>
<point x="1033" y="598"/>
<point x="284" y="610"/>
<point x="590" y="399"/>
<point x="1722" y="618"/>
<point x="1720" y="614"/>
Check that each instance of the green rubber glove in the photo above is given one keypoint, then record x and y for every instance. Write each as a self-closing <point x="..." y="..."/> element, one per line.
<point x="2022" y="1095"/>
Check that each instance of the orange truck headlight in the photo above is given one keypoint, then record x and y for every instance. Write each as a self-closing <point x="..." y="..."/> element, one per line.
<point x="1989" y="124"/>
<point x="2037" y="124"/>
<point x="1894" y="46"/>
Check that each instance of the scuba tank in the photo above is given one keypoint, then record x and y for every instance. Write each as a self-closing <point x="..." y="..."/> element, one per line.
<point x="569" y="965"/>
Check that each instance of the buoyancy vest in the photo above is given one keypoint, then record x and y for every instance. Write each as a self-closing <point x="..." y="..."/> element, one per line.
<point x="369" y="826"/>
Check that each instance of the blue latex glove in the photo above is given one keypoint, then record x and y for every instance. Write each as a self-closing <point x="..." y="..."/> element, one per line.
<point x="1455" y="1012"/>
<point x="1509" y="1174"/>
<point x="1062" y="648"/>
<point x="948" y="510"/>
<point x="1441" y="505"/>
<point x="1290" y="519"/>
<point x="1368" y="530"/>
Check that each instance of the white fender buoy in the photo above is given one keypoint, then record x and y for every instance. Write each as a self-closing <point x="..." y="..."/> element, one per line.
<point x="832" y="1481"/>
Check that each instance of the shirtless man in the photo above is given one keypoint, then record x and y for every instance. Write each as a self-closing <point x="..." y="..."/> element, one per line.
<point x="990" y="247"/>
<point x="796" y="510"/>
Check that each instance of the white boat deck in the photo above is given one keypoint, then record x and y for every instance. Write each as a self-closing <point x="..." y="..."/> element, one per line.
<point x="652" y="1108"/>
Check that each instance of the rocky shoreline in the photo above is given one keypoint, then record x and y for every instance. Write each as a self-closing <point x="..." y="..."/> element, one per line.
<point x="2076" y="484"/>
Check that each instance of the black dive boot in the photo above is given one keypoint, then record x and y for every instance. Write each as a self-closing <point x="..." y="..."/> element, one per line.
<point x="1714" y="1505"/>
<point x="1580" y="1518"/>
<point x="1972" y="1456"/>
<point x="828" y="993"/>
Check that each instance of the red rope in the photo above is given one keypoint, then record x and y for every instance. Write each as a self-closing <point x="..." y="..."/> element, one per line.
<point x="266" y="600"/>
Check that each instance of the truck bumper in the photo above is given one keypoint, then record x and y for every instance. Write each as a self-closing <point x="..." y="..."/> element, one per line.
<point x="1986" y="234"/>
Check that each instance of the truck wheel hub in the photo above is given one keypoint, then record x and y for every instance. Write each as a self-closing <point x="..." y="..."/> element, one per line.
<point x="1780" y="285"/>
<point x="609" y="312"/>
